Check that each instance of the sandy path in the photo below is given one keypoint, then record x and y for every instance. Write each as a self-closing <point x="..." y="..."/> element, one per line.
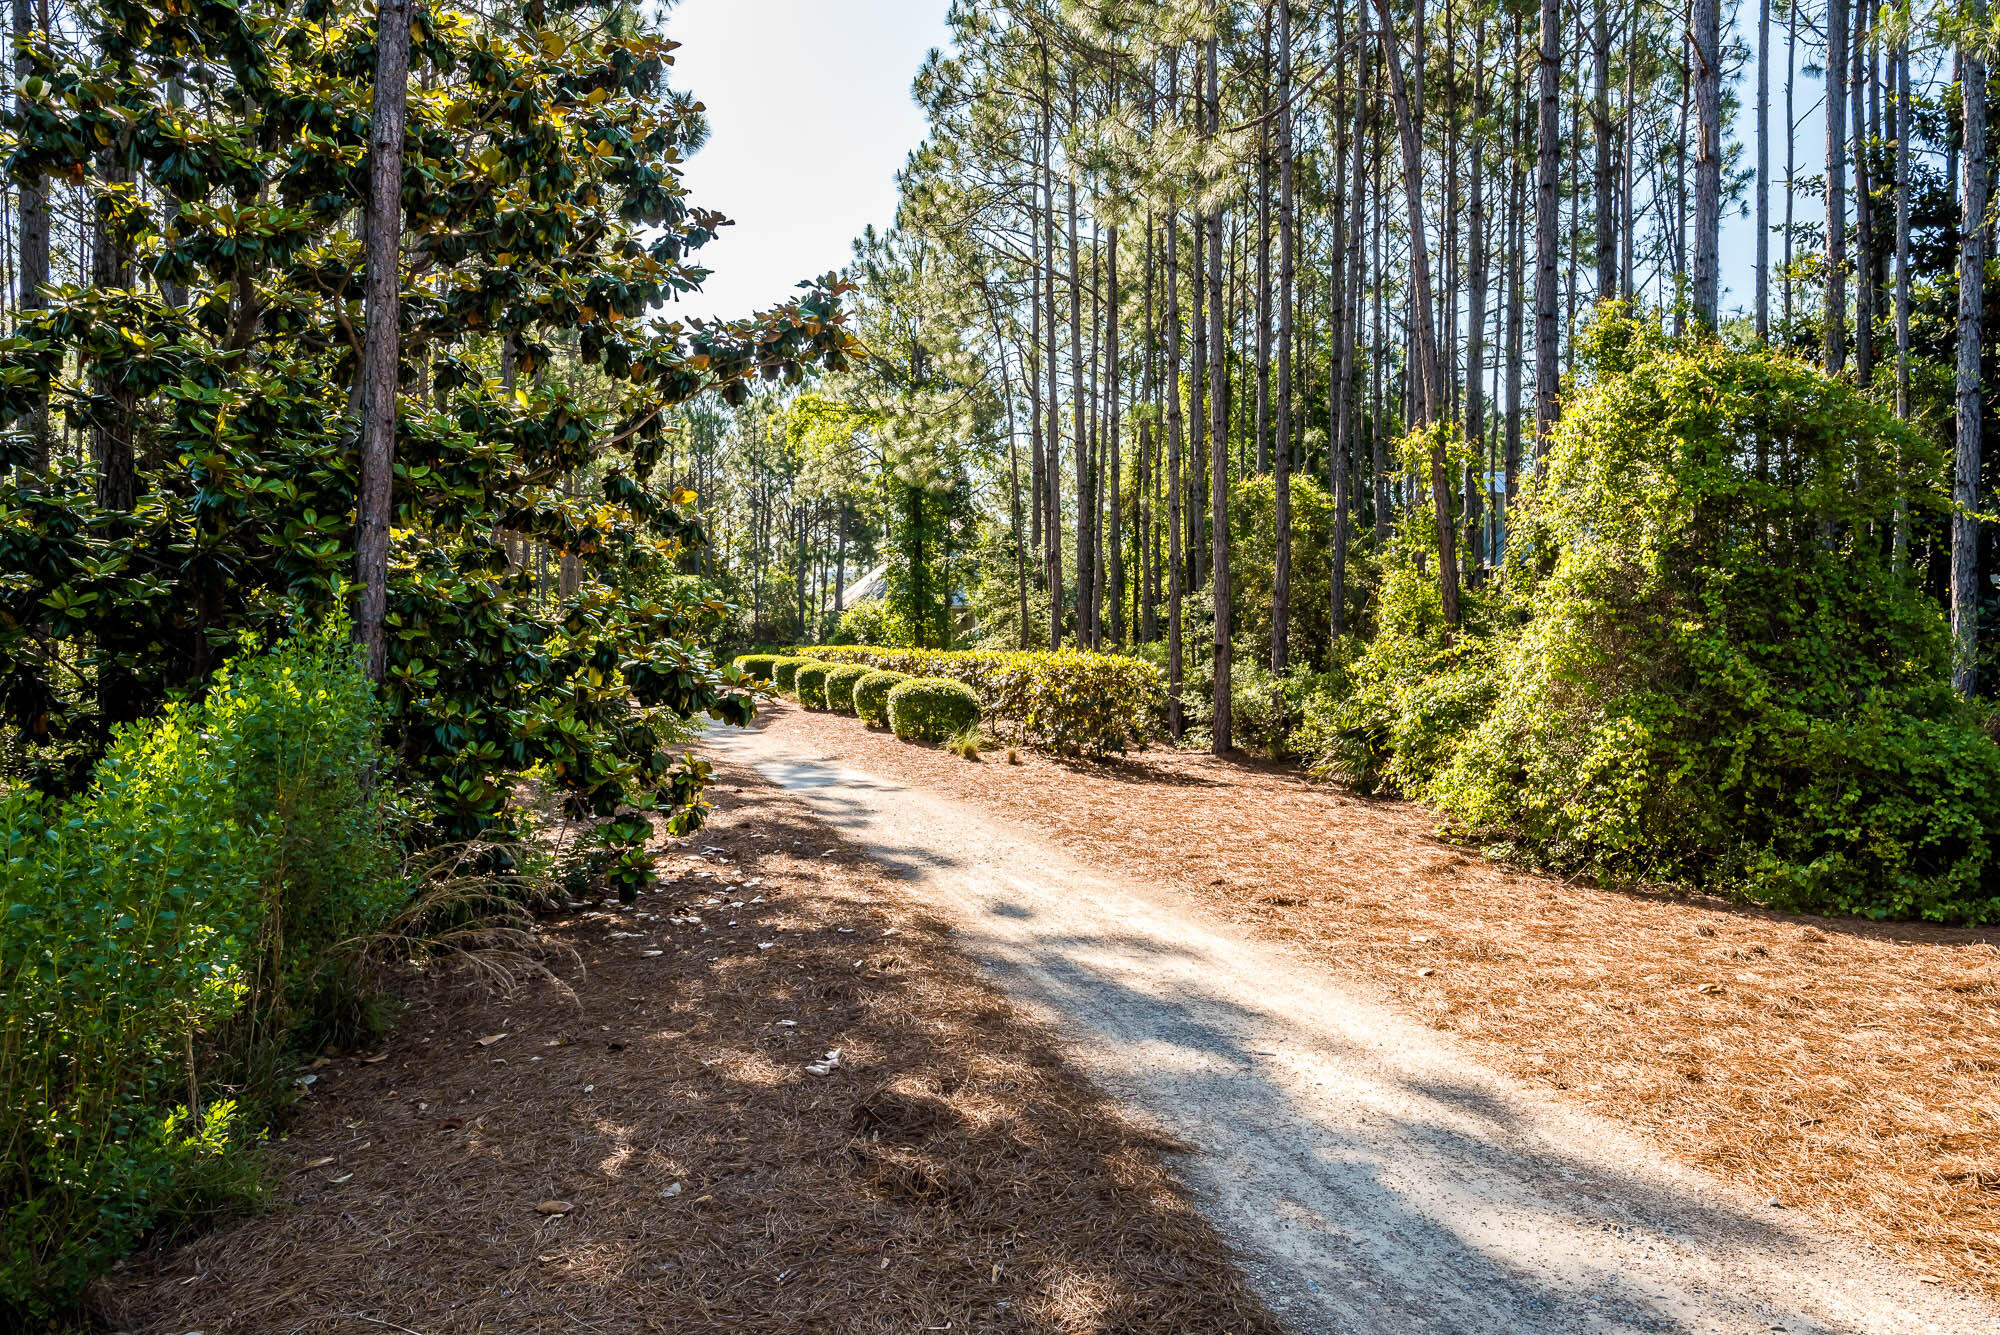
<point x="1374" y="1177"/>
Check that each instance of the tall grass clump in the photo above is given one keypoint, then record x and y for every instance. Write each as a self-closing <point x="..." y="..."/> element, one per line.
<point x="164" y="933"/>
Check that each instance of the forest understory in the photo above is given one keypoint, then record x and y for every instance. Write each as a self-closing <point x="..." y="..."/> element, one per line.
<point x="1830" y="1065"/>
<point x="674" y="1150"/>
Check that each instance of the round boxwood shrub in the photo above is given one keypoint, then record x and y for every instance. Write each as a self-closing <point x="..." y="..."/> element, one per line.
<point x="840" y="685"/>
<point x="871" y="694"/>
<point x="932" y="709"/>
<point x="757" y="666"/>
<point x="785" y="671"/>
<point x="811" y="681"/>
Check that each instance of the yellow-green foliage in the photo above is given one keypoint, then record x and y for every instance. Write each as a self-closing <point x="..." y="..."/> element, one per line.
<point x="785" y="671"/>
<point x="757" y="666"/>
<point x="810" y="682"/>
<point x="840" y="684"/>
<point x="192" y="902"/>
<point x="1069" y="702"/>
<point x="1703" y="664"/>
<point x="932" y="709"/>
<point x="871" y="694"/>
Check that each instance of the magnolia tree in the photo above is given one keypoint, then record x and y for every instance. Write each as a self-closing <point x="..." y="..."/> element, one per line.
<point x="210" y="374"/>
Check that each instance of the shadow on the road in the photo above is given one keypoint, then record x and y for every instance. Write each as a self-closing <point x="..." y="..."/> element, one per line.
<point x="1444" y="1209"/>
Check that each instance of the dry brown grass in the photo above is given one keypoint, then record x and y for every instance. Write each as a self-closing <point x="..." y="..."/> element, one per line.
<point x="1845" y="1068"/>
<point x="949" y="1173"/>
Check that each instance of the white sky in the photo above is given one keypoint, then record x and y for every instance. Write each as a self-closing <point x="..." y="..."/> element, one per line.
<point x="811" y="117"/>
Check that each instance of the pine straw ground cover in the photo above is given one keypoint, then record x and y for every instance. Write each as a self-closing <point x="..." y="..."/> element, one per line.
<point x="949" y="1173"/>
<point x="1841" y="1067"/>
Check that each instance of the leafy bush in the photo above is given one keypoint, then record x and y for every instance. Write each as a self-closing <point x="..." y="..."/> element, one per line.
<point x="871" y="622"/>
<point x="871" y="694"/>
<point x="181" y="915"/>
<point x="785" y="672"/>
<point x="1702" y="664"/>
<point x="1722" y="677"/>
<point x="757" y="666"/>
<point x="932" y="709"/>
<point x="811" y="682"/>
<point x="840" y="684"/>
<point x="1067" y="702"/>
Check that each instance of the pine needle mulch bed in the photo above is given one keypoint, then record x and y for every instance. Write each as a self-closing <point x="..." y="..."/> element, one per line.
<point x="656" y="1155"/>
<point x="1841" y="1067"/>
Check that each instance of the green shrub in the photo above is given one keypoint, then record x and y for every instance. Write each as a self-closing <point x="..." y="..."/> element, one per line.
<point x="811" y="683"/>
<point x="1722" y="677"/>
<point x="785" y="672"/>
<point x="1069" y="702"/>
<point x="1702" y="665"/>
<point x="840" y="684"/>
<point x="757" y="666"/>
<point x="177" y="919"/>
<point x="871" y="694"/>
<point x="932" y="709"/>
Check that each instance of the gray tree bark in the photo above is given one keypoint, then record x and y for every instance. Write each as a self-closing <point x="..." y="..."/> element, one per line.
<point x="1971" y="304"/>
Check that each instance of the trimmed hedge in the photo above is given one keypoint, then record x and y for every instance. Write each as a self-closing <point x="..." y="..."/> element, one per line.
<point x="840" y="684"/>
<point x="811" y="683"/>
<point x="1068" y="702"/>
<point x="758" y="666"/>
<point x="785" y="671"/>
<point x="871" y="694"/>
<point x="932" y="709"/>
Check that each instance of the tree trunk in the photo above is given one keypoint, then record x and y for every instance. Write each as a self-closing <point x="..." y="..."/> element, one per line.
<point x="1341" y="391"/>
<point x="1864" y="222"/>
<point x="1281" y="579"/>
<point x="1763" y="259"/>
<point x="1971" y="309"/>
<point x="1086" y="495"/>
<point x="113" y="423"/>
<point x="1707" y="285"/>
<point x="1475" y="325"/>
<point x="1604" y="177"/>
<point x="1901" y="538"/>
<point x="1835" y="314"/>
<point x="1114" y="414"/>
<point x="1431" y="400"/>
<point x="1052" y="512"/>
<point x="1175" y="579"/>
<point x="381" y="341"/>
<point x="1218" y="432"/>
<point x="1264" y="264"/>
<point x="1548" y="147"/>
<point x="32" y="221"/>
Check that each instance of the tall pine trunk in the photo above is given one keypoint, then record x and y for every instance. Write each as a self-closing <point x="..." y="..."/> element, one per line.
<point x="1707" y="284"/>
<point x="1548" y="148"/>
<point x="1218" y="434"/>
<point x="1834" y="318"/>
<point x="381" y="341"/>
<point x="1281" y="577"/>
<point x="1430" y="401"/>
<point x="1971" y="309"/>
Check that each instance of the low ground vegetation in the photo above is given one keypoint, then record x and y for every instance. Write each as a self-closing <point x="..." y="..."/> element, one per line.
<point x="167" y="932"/>
<point x="950" y="1169"/>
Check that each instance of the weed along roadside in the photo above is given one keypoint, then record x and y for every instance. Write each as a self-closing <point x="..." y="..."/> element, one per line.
<point x="777" y="1098"/>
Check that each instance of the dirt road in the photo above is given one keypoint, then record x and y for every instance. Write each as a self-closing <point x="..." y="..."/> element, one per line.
<point x="1373" y="1177"/>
